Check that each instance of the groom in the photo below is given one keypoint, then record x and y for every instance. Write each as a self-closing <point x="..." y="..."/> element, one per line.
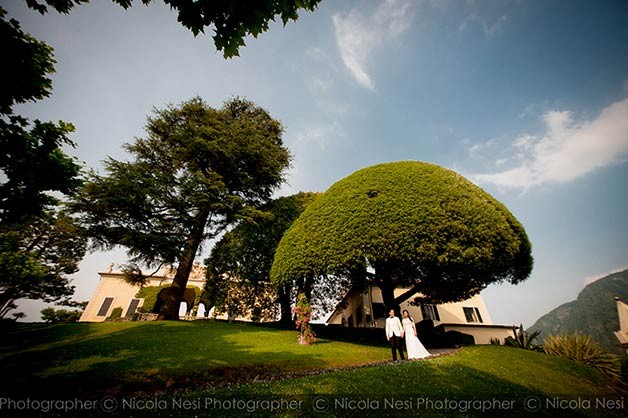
<point x="394" y="334"/>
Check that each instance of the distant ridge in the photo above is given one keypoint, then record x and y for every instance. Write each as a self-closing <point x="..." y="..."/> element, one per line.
<point x="594" y="312"/>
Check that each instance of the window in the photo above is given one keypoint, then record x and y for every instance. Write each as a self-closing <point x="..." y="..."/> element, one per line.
<point x="104" y="308"/>
<point x="379" y="311"/>
<point x="430" y="312"/>
<point x="132" y="307"/>
<point x="472" y="314"/>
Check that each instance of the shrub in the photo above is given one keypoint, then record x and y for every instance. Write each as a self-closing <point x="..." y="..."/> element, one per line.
<point x="116" y="313"/>
<point x="583" y="349"/>
<point x="53" y="315"/>
<point x="523" y="339"/>
<point x="495" y="341"/>
<point x="303" y="312"/>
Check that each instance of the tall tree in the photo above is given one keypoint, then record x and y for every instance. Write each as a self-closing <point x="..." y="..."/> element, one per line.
<point x="39" y="245"/>
<point x="417" y="225"/>
<point x="36" y="259"/>
<point x="197" y="171"/>
<point x="32" y="159"/>
<point x="238" y="268"/>
<point x="231" y="20"/>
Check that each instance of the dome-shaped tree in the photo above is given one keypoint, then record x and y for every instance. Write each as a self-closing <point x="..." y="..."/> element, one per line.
<point x="416" y="225"/>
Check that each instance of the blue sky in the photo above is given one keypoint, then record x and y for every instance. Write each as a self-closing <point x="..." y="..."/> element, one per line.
<point x="529" y="99"/>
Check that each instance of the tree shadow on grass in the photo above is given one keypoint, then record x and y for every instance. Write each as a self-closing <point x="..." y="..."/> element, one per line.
<point x="426" y="390"/>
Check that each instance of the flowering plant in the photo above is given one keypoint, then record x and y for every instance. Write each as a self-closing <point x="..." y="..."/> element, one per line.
<point x="303" y="312"/>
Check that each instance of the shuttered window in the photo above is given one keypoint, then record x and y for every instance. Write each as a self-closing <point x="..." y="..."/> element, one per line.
<point x="104" y="308"/>
<point x="132" y="307"/>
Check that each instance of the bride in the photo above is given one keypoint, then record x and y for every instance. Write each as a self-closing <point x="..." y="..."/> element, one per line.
<point x="413" y="346"/>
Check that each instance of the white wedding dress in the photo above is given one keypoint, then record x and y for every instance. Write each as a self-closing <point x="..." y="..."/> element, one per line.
<point x="413" y="346"/>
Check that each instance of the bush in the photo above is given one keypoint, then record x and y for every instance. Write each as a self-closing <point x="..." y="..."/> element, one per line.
<point x="495" y="341"/>
<point x="53" y="315"/>
<point x="437" y="337"/>
<point x="116" y="313"/>
<point x="524" y="340"/>
<point x="583" y="349"/>
<point x="303" y="312"/>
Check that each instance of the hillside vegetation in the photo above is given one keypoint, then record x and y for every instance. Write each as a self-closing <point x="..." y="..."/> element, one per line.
<point x="594" y="312"/>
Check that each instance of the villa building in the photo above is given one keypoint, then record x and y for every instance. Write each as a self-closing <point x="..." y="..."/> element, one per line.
<point x="357" y="308"/>
<point x="114" y="292"/>
<point x="366" y="309"/>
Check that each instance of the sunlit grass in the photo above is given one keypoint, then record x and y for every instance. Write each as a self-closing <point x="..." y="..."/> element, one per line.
<point x="474" y="371"/>
<point x="479" y="372"/>
<point x="115" y="357"/>
<point x="197" y="359"/>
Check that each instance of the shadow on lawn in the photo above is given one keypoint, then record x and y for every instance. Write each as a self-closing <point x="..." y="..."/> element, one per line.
<point x="129" y="362"/>
<point x="422" y="389"/>
<point x="402" y="390"/>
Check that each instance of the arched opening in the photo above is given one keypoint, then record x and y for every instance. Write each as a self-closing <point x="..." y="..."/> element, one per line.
<point x="183" y="309"/>
<point x="200" y="311"/>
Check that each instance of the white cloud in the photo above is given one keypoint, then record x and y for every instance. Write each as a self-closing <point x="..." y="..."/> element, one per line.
<point x="476" y="150"/>
<point x="357" y="36"/>
<point x="567" y="149"/>
<point x="489" y="29"/>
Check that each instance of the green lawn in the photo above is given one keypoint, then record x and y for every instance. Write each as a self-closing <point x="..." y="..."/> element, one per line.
<point x="192" y="361"/>
<point x="480" y="373"/>
<point x="148" y="357"/>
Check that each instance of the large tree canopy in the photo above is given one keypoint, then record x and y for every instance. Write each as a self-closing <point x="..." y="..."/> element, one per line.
<point x="39" y="245"/>
<point x="231" y="20"/>
<point x="238" y="268"/>
<point x="36" y="259"/>
<point x="32" y="160"/>
<point x="416" y="224"/>
<point x="198" y="170"/>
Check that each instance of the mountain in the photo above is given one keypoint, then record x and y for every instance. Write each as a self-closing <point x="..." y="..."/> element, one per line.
<point x="594" y="312"/>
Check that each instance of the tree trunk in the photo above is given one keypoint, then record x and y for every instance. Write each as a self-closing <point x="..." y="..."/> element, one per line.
<point x="172" y="298"/>
<point x="388" y="294"/>
<point x="285" y="305"/>
<point x="385" y="282"/>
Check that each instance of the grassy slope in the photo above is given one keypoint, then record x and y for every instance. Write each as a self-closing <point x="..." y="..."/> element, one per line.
<point x="474" y="371"/>
<point x="478" y="372"/>
<point x="124" y="357"/>
<point x="120" y="358"/>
